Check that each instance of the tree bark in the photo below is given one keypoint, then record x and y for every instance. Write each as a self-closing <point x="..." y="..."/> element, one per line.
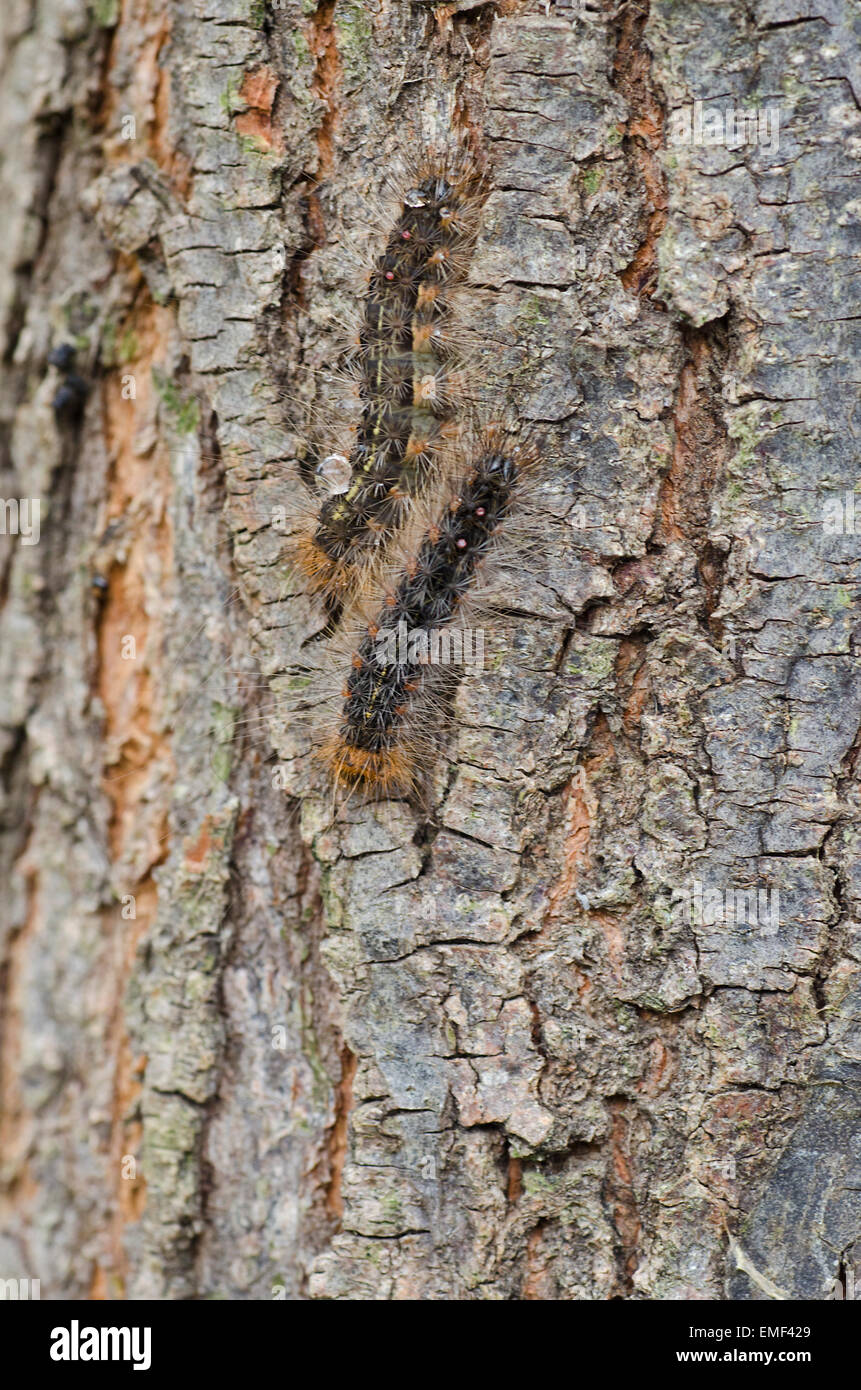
<point x="508" y="1042"/>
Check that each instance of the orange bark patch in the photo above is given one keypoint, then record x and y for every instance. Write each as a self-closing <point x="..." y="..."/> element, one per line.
<point x="515" y="1181"/>
<point x="198" y="854"/>
<point x="135" y="513"/>
<point x="579" y="809"/>
<point x="136" y="558"/>
<point x="619" y="1192"/>
<point x="658" y="1068"/>
<point x="169" y="158"/>
<point x="142" y="92"/>
<point x="258" y="93"/>
<point x="538" y="1282"/>
<point x="632" y="77"/>
<point x="632" y="671"/>
<point x="327" y="79"/>
<point x="338" y="1135"/>
<point x="614" y="940"/>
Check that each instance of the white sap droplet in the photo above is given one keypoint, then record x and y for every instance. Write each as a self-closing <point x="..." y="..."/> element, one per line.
<point x="334" y="473"/>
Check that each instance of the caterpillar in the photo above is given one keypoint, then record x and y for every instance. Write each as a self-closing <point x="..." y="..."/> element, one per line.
<point x="373" y="744"/>
<point x="403" y="364"/>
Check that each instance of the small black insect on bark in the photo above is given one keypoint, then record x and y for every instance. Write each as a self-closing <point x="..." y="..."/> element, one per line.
<point x="68" y="400"/>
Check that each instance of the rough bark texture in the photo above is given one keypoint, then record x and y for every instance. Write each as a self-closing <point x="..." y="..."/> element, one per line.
<point x="469" y="1048"/>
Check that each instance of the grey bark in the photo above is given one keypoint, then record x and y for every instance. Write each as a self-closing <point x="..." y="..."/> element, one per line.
<point x="470" y="1047"/>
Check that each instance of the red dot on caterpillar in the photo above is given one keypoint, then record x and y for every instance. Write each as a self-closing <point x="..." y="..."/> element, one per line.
<point x="390" y="275"/>
<point x="480" y="511"/>
<point x="461" y="543"/>
<point x="406" y="235"/>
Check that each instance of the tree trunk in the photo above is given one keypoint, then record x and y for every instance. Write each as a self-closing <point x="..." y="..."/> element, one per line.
<point x="583" y="1022"/>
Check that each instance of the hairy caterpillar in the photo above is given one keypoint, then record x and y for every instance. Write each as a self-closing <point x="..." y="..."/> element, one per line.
<point x="403" y="367"/>
<point x="374" y="744"/>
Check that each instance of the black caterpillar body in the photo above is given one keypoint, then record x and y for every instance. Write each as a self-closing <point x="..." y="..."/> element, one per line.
<point x="377" y="697"/>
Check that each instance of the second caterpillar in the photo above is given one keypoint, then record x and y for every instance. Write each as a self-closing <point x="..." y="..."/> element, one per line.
<point x="382" y="727"/>
<point x="404" y="372"/>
